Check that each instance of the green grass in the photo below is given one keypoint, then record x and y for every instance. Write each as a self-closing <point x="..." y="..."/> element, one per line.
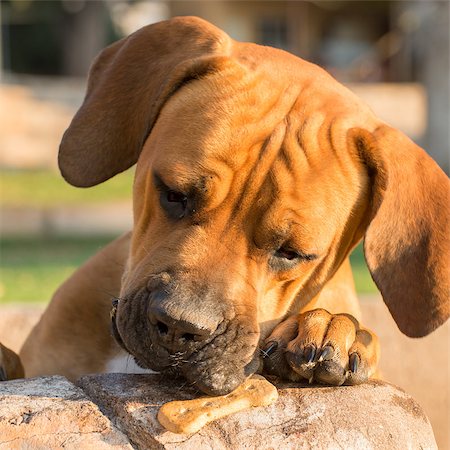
<point x="31" y="269"/>
<point x="44" y="188"/>
<point x="363" y="281"/>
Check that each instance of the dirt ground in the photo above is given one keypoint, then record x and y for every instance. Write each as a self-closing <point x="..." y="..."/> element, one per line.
<point x="30" y="129"/>
<point x="419" y="366"/>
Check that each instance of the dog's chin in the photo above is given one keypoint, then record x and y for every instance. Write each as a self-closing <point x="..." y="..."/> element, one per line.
<point x="215" y="367"/>
<point x="221" y="377"/>
<point x="218" y="377"/>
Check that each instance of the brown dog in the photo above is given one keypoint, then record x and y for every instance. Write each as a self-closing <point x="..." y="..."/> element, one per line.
<point x="257" y="174"/>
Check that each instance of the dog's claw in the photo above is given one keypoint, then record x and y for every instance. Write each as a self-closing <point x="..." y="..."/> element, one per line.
<point x="327" y="353"/>
<point x="354" y="362"/>
<point x="309" y="353"/>
<point x="269" y="348"/>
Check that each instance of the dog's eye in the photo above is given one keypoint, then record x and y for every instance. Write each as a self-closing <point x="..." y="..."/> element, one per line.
<point x="174" y="203"/>
<point x="286" y="258"/>
<point x="176" y="197"/>
<point x="286" y="253"/>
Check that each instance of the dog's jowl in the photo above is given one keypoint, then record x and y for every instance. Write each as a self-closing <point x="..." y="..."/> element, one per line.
<point x="257" y="174"/>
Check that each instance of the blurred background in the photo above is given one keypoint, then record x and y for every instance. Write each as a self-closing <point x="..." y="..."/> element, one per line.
<point x="394" y="54"/>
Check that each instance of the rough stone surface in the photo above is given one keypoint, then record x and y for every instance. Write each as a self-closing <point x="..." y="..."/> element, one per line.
<point x="375" y="415"/>
<point x="427" y="383"/>
<point x="52" y="413"/>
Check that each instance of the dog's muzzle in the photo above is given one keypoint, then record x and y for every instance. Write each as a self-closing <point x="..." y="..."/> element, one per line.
<point x="172" y="330"/>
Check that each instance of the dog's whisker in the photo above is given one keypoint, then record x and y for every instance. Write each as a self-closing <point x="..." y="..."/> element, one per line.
<point x="128" y="361"/>
<point x="183" y="385"/>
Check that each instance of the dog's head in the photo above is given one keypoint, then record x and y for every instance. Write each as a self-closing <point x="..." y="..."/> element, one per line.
<point x="257" y="174"/>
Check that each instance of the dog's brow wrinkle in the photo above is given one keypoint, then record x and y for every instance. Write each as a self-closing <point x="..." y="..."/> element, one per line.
<point x="250" y="185"/>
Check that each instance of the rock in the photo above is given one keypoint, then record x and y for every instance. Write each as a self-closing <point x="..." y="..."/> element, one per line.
<point x="375" y="415"/>
<point x="52" y="413"/>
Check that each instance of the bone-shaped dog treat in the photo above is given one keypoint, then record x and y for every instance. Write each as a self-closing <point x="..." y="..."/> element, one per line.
<point x="189" y="416"/>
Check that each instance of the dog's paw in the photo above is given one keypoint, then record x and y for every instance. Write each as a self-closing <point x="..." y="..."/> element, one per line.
<point x="325" y="348"/>
<point x="10" y="365"/>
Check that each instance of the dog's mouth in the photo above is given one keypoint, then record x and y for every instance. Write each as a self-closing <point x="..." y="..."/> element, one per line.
<point x="216" y="366"/>
<point x="114" y="330"/>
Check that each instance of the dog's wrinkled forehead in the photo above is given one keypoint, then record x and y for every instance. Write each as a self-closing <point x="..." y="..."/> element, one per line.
<point x="252" y="156"/>
<point x="230" y="118"/>
<point x="211" y="125"/>
<point x="222" y="117"/>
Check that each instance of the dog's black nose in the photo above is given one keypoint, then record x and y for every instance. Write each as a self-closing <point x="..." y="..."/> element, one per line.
<point x="171" y="329"/>
<point x="176" y="326"/>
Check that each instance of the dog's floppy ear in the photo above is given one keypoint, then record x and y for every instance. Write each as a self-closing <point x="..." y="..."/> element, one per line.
<point x="127" y="86"/>
<point x="407" y="242"/>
